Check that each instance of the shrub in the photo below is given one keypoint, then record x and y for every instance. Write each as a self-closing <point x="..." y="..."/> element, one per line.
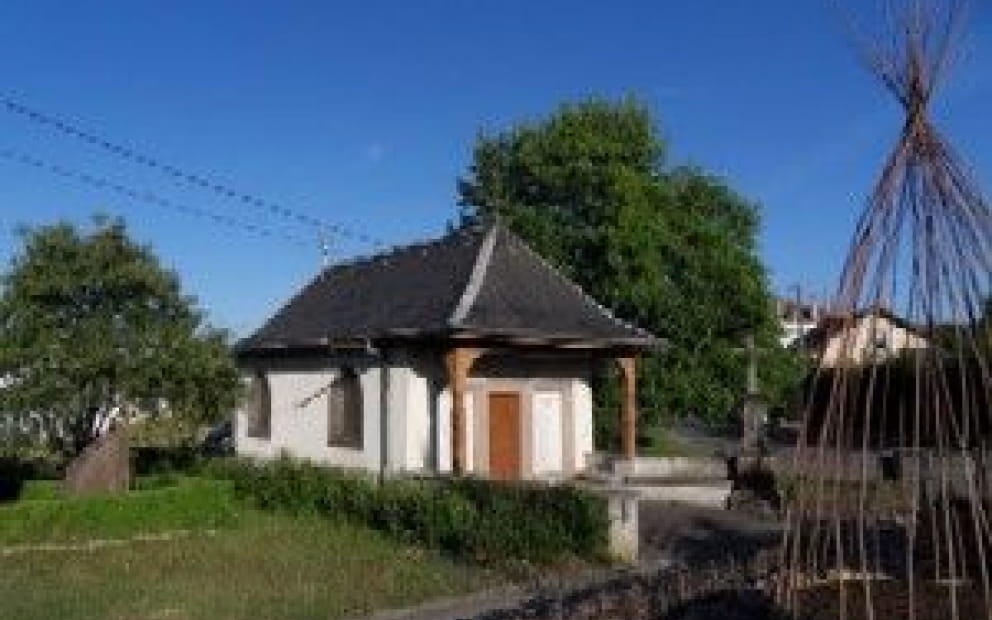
<point x="148" y="460"/>
<point x="16" y="471"/>
<point x="479" y="519"/>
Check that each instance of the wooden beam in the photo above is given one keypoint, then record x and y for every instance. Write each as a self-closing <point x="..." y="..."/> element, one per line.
<point x="628" y="409"/>
<point x="458" y="362"/>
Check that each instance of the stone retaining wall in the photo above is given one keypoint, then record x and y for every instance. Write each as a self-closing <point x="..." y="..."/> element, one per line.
<point x="958" y="471"/>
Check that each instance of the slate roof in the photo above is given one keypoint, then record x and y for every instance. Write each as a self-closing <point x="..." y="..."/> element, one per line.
<point x="475" y="282"/>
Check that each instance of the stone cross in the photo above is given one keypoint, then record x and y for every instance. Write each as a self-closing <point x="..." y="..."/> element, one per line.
<point x="752" y="366"/>
<point x="753" y="411"/>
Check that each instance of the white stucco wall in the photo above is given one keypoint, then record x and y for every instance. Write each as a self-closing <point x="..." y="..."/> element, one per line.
<point x="443" y="431"/>
<point x="299" y="420"/>
<point x="581" y="424"/>
<point x="555" y="442"/>
<point x="396" y="426"/>
<point x="418" y="448"/>
<point x="547" y="430"/>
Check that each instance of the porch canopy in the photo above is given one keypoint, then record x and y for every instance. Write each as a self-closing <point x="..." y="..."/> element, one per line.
<point x="477" y="290"/>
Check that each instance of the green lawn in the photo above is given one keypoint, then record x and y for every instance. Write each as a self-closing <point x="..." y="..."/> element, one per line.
<point x="237" y="562"/>
<point x="42" y="516"/>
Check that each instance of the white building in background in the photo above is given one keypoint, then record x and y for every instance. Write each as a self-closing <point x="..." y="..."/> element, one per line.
<point x="797" y="319"/>
<point x="861" y="338"/>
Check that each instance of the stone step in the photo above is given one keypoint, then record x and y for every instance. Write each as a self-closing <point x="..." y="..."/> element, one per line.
<point x="680" y="467"/>
<point x="712" y="495"/>
<point x="678" y="481"/>
<point x="660" y="466"/>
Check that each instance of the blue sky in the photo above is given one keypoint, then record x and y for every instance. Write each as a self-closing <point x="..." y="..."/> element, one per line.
<point x="364" y="113"/>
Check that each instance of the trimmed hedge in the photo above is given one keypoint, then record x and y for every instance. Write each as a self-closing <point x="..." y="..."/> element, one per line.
<point x="483" y="520"/>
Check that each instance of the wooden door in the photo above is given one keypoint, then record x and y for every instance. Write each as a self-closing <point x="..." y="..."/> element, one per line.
<point x="504" y="435"/>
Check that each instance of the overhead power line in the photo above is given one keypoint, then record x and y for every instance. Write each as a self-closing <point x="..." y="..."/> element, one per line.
<point x="152" y="198"/>
<point x="191" y="178"/>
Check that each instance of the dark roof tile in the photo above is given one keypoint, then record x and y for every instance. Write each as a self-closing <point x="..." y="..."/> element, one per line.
<point x="523" y="293"/>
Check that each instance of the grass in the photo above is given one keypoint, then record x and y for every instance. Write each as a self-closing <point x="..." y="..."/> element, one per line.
<point x="270" y="566"/>
<point x="191" y="503"/>
<point x="236" y="562"/>
<point x="41" y="489"/>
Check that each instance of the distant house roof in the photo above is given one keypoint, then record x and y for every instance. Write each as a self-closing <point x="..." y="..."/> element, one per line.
<point x="789" y="310"/>
<point x="836" y="322"/>
<point x="476" y="282"/>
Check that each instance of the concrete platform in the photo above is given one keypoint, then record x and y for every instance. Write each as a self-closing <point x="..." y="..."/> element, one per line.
<point x="693" y="481"/>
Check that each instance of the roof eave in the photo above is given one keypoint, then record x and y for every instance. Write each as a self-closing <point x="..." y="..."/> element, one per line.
<point x="513" y="337"/>
<point x="251" y="346"/>
<point x="525" y="337"/>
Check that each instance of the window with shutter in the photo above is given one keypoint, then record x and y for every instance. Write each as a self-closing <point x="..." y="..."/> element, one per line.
<point x="344" y="411"/>
<point x="259" y="408"/>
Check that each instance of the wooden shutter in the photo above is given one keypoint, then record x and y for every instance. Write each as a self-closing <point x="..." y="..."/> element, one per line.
<point x="345" y="417"/>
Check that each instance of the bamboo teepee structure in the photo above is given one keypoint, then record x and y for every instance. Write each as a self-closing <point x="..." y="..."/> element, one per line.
<point x="892" y="490"/>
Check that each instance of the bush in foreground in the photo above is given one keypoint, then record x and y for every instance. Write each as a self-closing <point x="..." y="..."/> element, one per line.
<point x="478" y="519"/>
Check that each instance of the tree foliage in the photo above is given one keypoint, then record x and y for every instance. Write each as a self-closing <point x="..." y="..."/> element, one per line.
<point x="90" y="323"/>
<point x="672" y="249"/>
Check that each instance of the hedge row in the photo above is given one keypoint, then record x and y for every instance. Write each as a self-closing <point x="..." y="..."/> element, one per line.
<point x="483" y="520"/>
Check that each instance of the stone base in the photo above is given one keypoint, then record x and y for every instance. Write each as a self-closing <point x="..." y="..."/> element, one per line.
<point x="624" y="534"/>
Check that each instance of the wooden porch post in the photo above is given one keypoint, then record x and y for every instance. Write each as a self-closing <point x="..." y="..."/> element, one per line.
<point x="458" y="362"/>
<point x="628" y="410"/>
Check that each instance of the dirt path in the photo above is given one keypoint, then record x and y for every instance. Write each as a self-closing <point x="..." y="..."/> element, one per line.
<point x="699" y="536"/>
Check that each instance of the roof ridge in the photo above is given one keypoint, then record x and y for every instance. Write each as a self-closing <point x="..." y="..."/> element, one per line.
<point x="606" y="312"/>
<point x="475" y="278"/>
<point x="420" y="244"/>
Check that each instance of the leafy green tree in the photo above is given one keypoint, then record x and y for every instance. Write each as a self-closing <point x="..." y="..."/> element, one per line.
<point x="672" y="249"/>
<point x="90" y="323"/>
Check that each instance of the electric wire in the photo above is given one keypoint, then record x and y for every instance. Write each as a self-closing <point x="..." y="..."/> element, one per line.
<point x="151" y="198"/>
<point x="183" y="175"/>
